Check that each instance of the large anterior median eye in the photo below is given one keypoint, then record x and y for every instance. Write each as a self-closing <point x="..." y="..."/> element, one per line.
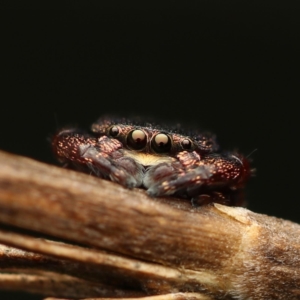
<point x="137" y="139"/>
<point x="161" y="143"/>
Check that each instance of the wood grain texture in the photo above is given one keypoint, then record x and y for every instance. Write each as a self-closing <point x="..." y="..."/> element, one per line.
<point x="123" y="243"/>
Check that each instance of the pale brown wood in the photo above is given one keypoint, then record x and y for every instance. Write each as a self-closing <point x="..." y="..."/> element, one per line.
<point x="55" y="284"/>
<point x="123" y="241"/>
<point x="173" y="296"/>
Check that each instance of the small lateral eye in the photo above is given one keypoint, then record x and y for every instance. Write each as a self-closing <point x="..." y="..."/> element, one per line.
<point x="137" y="139"/>
<point x="161" y="143"/>
<point x="114" y="131"/>
<point x="186" y="144"/>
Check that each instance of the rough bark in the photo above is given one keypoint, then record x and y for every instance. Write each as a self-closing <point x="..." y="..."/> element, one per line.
<point x="120" y="243"/>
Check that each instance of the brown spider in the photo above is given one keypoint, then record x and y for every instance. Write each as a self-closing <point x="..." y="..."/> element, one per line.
<point x="164" y="162"/>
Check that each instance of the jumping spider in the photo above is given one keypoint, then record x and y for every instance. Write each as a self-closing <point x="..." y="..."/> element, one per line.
<point x="164" y="162"/>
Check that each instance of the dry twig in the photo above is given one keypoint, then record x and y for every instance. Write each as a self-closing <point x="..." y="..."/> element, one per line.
<point x="123" y="244"/>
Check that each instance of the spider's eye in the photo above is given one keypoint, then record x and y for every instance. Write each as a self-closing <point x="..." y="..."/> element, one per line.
<point x="161" y="143"/>
<point x="114" y="131"/>
<point x="186" y="144"/>
<point x="137" y="139"/>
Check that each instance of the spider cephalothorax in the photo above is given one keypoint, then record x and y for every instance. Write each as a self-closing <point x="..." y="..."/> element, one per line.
<point x="165" y="162"/>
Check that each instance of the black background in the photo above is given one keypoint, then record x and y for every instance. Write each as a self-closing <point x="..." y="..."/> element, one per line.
<point x="225" y="67"/>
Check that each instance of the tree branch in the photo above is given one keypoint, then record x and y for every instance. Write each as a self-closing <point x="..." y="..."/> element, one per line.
<point x="122" y="243"/>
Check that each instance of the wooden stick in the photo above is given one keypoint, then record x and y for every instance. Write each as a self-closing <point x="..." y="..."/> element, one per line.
<point x="172" y="296"/>
<point x="219" y="251"/>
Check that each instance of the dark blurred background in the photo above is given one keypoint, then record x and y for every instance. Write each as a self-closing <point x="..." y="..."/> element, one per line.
<point x="229" y="69"/>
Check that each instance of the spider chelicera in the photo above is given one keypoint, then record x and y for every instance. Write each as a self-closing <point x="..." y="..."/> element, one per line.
<point x="164" y="162"/>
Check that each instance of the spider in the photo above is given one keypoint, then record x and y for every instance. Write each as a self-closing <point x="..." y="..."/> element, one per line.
<point x="163" y="161"/>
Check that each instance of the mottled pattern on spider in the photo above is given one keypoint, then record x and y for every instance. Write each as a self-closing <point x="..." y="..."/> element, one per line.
<point x="164" y="162"/>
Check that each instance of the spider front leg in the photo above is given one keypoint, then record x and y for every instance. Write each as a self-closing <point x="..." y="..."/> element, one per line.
<point x="170" y="178"/>
<point x="210" y="178"/>
<point x="166" y="179"/>
<point x="103" y="157"/>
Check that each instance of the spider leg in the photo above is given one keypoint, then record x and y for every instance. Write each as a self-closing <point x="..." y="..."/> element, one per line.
<point x="101" y="156"/>
<point x="232" y="198"/>
<point x="169" y="178"/>
<point x="191" y="176"/>
<point x="175" y="183"/>
<point x="157" y="175"/>
<point x="124" y="170"/>
<point x="216" y="197"/>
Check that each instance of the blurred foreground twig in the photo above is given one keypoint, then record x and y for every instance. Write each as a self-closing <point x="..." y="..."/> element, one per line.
<point x="114" y="243"/>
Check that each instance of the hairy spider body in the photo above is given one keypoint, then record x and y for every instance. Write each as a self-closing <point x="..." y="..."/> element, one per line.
<point x="164" y="162"/>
